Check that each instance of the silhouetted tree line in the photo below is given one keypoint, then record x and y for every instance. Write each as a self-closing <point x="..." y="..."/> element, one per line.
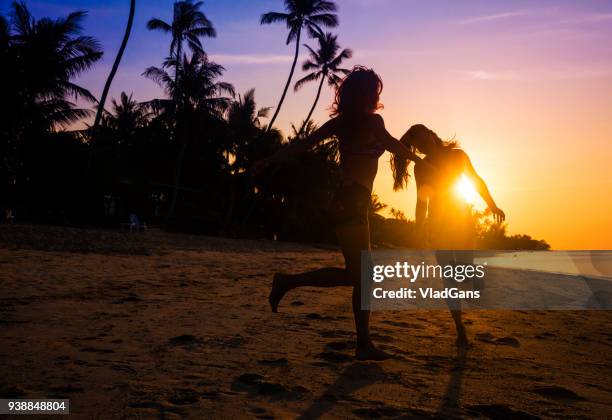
<point x="181" y="160"/>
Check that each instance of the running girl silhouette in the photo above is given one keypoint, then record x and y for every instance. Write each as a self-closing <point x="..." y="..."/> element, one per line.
<point x="362" y="139"/>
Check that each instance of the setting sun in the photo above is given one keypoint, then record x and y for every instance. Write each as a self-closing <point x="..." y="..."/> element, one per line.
<point x="466" y="190"/>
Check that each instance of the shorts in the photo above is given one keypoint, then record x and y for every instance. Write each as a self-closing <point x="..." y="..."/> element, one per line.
<point x="351" y="205"/>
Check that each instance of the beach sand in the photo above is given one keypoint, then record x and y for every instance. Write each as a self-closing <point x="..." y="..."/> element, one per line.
<point x="157" y="325"/>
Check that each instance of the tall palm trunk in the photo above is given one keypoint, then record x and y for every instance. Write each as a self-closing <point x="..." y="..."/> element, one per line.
<point x="282" y="99"/>
<point x="180" y="135"/>
<point x="313" y="105"/>
<point x="111" y="75"/>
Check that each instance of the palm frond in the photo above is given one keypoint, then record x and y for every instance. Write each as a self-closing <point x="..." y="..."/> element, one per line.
<point x="273" y="17"/>
<point x="321" y="6"/>
<point x="264" y="112"/>
<point x="204" y="31"/>
<point x="75" y="90"/>
<point x="310" y="65"/>
<point x="292" y="36"/>
<point x="308" y="78"/>
<point x="73" y="23"/>
<point x="159" y="76"/>
<point x="344" y="55"/>
<point x="324" y="19"/>
<point x="313" y="53"/>
<point x="21" y="19"/>
<point x="158" y="25"/>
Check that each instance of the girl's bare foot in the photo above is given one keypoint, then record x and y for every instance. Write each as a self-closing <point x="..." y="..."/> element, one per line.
<point x="369" y="352"/>
<point x="277" y="292"/>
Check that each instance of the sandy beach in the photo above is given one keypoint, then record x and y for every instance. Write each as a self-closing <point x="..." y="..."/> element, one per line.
<point x="159" y="325"/>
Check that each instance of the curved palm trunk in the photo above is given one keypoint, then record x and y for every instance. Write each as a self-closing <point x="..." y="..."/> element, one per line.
<point x="282" y="99"/>
<point x="313" y="106"/>
<point x="111" y="75"/>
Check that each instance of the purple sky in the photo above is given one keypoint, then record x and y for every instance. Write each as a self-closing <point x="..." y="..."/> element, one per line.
<point x="525" y="86"/>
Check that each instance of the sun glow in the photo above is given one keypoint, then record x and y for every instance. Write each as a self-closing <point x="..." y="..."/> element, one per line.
<point x="466" y="190"/>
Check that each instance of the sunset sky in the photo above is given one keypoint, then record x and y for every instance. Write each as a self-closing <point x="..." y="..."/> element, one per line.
<point x="525" y="86"/>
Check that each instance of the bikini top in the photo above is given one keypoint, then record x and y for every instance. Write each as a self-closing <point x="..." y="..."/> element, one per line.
<point x="358" y="141"/>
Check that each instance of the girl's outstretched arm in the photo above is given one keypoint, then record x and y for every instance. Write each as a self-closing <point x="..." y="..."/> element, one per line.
<point x="287" y="152"/>
<point x="482" y="189"/>
<point x="390" y="143"/>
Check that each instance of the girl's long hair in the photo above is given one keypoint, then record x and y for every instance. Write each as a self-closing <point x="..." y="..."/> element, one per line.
<point x="358" y="93"/>
<point x="399" y="165"/>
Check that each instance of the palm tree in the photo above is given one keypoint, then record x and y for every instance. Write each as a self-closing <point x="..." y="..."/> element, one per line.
<point x="195" y="96"/>
<point x="308" y="14"/>
<point x="244" y="122"/>
<point x="127" y="116"/>
<point x="40" y="59"/>
<point x="197" y="88"/>
<point x="325" y="65"/>
<point x="49" y="53"/>
<point x="111" y="75"/>
<point x="188" y="25"/>
<point x="248" y="142"/>
<point x="376" y="206"/>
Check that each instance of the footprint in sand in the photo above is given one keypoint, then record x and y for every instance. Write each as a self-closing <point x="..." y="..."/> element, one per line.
<point x="96" y="350"/>
<point x="499" y="411"/>
<point x="185" y="340"/>
<point x="334" y="356"/>
<point x="62" y="391"/>
<point x="184" y="396"/>
<point x="273" y="362"/>
<point x="508" y="341"/>
<point x="489" y="338"/>
<point x="545" y="335"/>
<point x="254" y="383"/>
<point x="128" y="299"/>
<point x="260" y="413"/>
<point x="485" y="337"/>
<point x="340" y="345"/>
<point x="558" y="393"/>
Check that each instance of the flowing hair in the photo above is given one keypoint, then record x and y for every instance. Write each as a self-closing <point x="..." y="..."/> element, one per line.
<point x="358" y="93"/>
<point x="399" y="165"/>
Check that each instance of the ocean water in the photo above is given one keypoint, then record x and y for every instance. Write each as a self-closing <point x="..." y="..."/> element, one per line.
<point x="578" y="263"/>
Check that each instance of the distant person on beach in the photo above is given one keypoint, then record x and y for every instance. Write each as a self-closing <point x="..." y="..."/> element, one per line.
<point x="362" y="140"/>
<point x="444" y="219"/>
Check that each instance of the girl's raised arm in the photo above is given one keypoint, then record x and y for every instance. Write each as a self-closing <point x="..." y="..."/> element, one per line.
<point x="482" y="189"/>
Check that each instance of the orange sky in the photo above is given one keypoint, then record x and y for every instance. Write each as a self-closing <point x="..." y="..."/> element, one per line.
<point x="532" y="109"/>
